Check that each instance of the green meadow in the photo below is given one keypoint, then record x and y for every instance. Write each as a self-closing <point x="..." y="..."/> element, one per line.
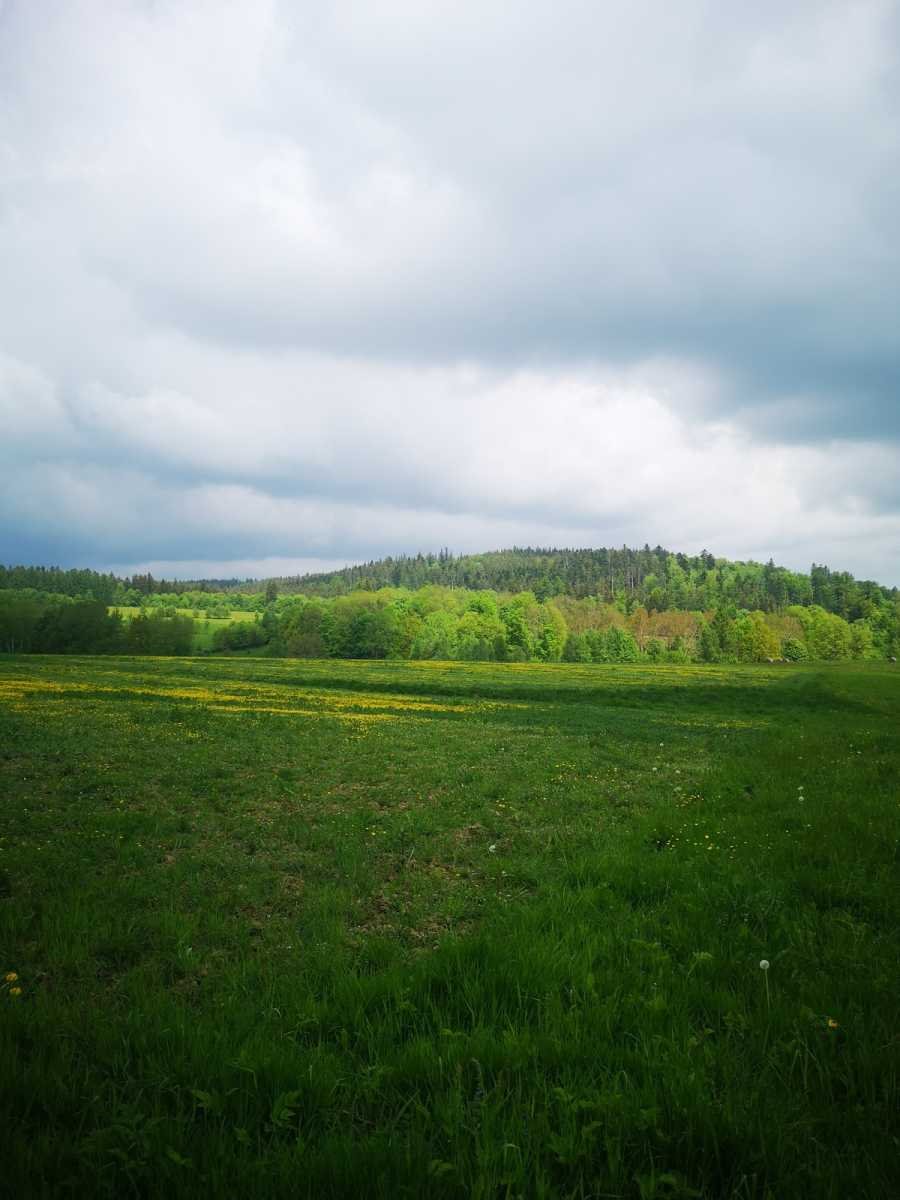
<point x="282" y="928"/>
<point x="205" y="627"/>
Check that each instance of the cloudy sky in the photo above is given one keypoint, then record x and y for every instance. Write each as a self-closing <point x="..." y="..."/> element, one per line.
<point x="292" y="285"/>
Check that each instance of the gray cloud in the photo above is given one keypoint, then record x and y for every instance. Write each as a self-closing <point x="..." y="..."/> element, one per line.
<point x="321" y="283"/>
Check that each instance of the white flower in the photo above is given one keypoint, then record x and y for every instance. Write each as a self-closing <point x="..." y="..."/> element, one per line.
<point x="764" y="964"/>
<point x="492" y="849"/>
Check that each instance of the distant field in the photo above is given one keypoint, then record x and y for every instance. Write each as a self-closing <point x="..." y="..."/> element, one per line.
<point x="204" y="627"/>
<point x="290" y="929"/>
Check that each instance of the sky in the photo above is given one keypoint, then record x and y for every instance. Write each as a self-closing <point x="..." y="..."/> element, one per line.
<point x="289" y="286"/>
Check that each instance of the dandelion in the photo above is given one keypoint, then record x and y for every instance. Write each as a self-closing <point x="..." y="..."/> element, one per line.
<point x="764" y="967"/>
<point x="10" y="977"/>
<point x="16" y="991"/>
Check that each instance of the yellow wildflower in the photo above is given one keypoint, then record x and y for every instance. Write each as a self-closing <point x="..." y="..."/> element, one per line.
<point x="11" y="977"/>
<point x="15" y="991"/>
<point x="832" y="1023"/>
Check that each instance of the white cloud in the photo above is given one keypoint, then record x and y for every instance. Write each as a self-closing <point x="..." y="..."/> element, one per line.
<point x="318" y="458"/>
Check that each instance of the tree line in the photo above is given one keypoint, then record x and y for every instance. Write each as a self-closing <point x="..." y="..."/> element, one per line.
<point x="454" y="623"/>
<point x="577" y="605"/>
<point x="33" y="622"/>
<point x="655" y="579"/>
<point x="439" y="622"/>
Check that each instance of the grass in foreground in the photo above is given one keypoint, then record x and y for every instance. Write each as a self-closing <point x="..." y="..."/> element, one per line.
<point x="343" y="929"/>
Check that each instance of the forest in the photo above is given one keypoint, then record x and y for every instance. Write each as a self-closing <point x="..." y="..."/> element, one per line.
<point x="510" y="606"/>
<point x="656" y="579"/>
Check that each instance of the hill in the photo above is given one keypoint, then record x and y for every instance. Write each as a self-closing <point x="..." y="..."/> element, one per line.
<point x="655" y="578"/>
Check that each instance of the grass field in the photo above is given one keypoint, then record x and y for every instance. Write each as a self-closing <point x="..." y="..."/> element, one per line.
<point x="204" y="627"/>
<point x="289" y="929"/>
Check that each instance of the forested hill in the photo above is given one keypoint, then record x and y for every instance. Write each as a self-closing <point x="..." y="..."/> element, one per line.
<point x="656" y="579"/>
